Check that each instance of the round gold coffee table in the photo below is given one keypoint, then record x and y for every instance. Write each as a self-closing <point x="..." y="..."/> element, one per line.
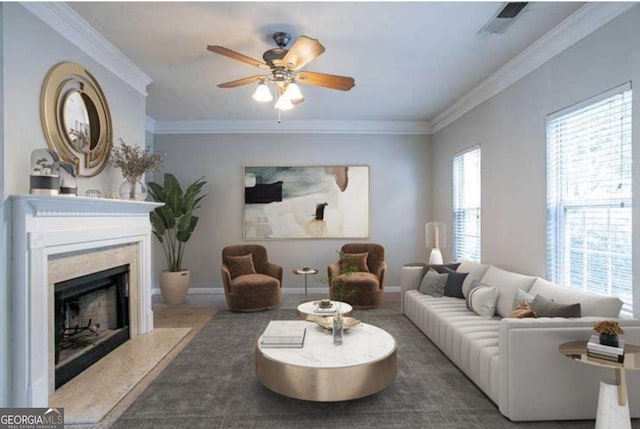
<point x="364" y="364"/>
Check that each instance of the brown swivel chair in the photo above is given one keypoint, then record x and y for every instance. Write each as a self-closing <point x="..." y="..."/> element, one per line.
<point x="364" y="290"/>
<point x="251" y="292"/>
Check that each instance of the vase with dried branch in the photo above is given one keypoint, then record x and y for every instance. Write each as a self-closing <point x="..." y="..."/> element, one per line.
<point x="133" y="162"/>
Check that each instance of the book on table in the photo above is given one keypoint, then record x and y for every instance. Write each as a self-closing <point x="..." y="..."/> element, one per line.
<point x="594" y="346"/>
<point x="610" y="358"/>
<point x="284" y="334"/>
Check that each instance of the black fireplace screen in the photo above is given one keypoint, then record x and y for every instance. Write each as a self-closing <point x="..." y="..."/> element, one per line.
<point x="91" y="319"/>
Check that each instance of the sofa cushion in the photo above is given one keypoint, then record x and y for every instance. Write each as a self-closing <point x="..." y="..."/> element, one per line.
<point x="475" y="270"/>
<point x="591" y="304"/>
<point x="545" y="307"/>
<point x="507" y="283"/>
<point x="254" y="284"/>
<point x="483" y="301"/>
<point x="453" y="287"/>
<point x="240" y="265"/>
<point x="433" y="283"/>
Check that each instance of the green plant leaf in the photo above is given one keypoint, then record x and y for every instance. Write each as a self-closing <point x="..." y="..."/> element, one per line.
<point x="157" y="192"/>
<point x="168" y="219"/>
<point x="157" y="224"/>
<point x="184" y="222"/>
<point x="170" y="182"/>
<point x="183" y="236"/>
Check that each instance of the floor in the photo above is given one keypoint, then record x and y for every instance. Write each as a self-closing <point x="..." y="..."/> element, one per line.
<point x="194" y="313"/>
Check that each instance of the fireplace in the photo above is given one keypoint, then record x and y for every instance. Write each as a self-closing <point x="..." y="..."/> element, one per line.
<point x="91" y="315"/>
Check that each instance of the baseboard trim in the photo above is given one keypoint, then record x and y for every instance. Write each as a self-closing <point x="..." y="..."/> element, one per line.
<point x="285" y="291"/>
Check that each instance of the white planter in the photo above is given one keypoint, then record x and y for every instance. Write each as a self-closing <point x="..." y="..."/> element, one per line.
<point x="174" y="286"/>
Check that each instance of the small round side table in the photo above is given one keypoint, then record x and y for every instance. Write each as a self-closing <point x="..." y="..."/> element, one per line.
<point x="305" y="271"/>
<point x="611" y="413"/>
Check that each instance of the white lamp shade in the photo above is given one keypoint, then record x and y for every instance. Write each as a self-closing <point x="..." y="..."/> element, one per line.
<point x="262" y="93"/>
<point x="294" y="93"/>
<point x="283" y="103"/>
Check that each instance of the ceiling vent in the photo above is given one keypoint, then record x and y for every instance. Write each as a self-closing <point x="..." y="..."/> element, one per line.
<point x="499" y="23"/>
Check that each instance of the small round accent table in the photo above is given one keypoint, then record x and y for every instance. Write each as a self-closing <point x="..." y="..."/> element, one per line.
<point x="364" y="364"/>
<point x="613" y="409"/>
<point x="305" y="271"/>
<point x="310" y="308"/>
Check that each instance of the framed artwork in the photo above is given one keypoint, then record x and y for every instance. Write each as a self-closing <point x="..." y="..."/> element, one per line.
<point x="316" y="201"/>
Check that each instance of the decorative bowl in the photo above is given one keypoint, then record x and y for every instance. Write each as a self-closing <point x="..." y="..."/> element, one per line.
<point x="327" y="322"/>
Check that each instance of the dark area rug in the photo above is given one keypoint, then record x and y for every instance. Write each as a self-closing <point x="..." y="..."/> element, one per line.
<point x="212" y="384"/>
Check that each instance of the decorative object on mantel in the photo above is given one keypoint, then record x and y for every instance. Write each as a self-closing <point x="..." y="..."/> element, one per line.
<point x="609" y="331"/>
<point x="68" y="179"/>
<point x="134" y="162"/>
<point x="44" y="178"/>
<point x="93" y="193"/>
<point x="75" y="118"/>
<point x="172" y="224"/>
<point x="435" y="239"/>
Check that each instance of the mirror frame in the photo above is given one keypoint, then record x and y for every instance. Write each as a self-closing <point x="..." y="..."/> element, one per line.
<point x="63" y="79"/>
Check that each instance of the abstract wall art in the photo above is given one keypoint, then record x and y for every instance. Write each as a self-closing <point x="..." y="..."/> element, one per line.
<point x="318" y="201"/>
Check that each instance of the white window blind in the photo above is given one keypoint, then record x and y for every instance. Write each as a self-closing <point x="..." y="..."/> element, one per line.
<point x="589" y="195"/>
<point x="466" y="205"/>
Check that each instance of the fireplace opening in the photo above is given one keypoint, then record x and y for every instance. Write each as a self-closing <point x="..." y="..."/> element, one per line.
<point x="91" y="319"/>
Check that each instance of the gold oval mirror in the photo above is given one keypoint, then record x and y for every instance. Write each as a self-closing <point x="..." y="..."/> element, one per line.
<point x="75" y="118"/>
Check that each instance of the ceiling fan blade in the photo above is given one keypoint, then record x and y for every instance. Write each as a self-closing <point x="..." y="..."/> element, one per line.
<point x="303" y="51"/>
<point x="342" y="83"/>
<point x="237" y="56"/>
<point x="243" y="81"/>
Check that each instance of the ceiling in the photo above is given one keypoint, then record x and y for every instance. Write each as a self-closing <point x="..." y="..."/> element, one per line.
<point x="410" y="60"/>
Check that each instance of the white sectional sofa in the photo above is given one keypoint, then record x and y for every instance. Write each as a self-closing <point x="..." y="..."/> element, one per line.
<point x="516" y="362"/>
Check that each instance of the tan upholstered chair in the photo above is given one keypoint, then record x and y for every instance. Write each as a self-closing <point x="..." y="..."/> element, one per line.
<point x="251" y="292"/>
<point x="367" y="287"/>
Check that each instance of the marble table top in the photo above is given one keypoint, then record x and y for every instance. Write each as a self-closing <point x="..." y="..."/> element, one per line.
<point x="311" y="307"/>
<point x="362" y="345"/>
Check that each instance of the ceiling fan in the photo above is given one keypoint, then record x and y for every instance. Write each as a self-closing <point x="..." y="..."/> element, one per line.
<point x="284" y="72"/>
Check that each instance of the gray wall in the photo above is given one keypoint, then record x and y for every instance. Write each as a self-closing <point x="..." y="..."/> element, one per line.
<point x="399" y="195"/>
<point x="29" y="49"/>
<point x="510" y="128"/>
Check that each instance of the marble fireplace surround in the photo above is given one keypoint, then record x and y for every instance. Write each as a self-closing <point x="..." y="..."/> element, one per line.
<point x="56" y="238"/>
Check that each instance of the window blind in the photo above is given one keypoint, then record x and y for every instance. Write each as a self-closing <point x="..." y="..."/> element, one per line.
<point x="466" y="205"/>
<point x="589" y="195"/>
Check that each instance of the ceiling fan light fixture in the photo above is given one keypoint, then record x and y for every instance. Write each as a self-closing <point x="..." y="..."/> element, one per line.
<point x="294" y="93"/>
<point x="262" y="93"/>
<point x="283" y="103"/>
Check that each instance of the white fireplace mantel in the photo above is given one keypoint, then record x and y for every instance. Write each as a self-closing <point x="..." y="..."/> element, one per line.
<point x="44" y="226"/>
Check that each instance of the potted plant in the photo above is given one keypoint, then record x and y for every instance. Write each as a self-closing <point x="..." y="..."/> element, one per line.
<point x="134" y="162"/>
<point x="172" y="224"/>
<point x="609" y="331"/>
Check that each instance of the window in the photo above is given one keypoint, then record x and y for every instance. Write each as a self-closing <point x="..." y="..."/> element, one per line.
<point x="466" y="205"/>
<point x="589" y="195"/>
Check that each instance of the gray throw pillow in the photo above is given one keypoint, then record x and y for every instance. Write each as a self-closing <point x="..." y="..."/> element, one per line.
<point x="520" y="296"/>
<point x="433" y="283"/>
<point x="545" y="307"/>
<point x="474" y="284"/>
<point x="453" y="288"/>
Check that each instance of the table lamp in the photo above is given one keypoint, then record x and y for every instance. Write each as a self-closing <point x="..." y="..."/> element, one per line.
<point x="435" y="239"/>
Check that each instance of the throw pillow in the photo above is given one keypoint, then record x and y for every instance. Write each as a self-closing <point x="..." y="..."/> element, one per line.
<point x="522" y="310"/>
<point x="240" y="265"/>
<point x="433" y="283"/>
<point x="474" y="284"/>
<point x="441" y="267"/>
<point x="483" y="301"/>
<point x="356" y="261"/>
<point x="520" y="296"/>
<point x="545" y="307"/>
<point x="453" y="288"/>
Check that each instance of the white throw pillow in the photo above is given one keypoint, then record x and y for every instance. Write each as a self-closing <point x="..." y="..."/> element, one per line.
<point x="483" y="301"/>
<point x="507" y="283"/>
<point x="475" y="270"/>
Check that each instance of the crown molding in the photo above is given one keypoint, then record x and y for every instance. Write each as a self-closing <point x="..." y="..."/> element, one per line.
<point x="576" y="27"/>
<point x="66" y="21"/>
<point x="291" y="127"/>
